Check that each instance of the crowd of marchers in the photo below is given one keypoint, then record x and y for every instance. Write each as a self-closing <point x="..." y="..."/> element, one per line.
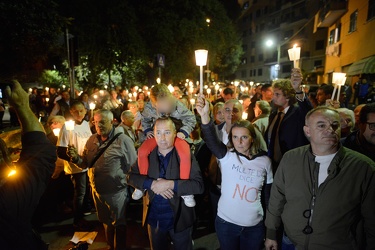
<point x="275" y="167"/>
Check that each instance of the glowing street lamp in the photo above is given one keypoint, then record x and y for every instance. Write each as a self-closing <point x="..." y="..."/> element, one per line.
<point x="201" y="60"/>
<point x="294" y="55"/>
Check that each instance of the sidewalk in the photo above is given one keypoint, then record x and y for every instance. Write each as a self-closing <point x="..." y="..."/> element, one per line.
<point x="59" y="233"/>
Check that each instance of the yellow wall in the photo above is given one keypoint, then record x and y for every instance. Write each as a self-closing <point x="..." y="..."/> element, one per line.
<point x="356" y="45"/>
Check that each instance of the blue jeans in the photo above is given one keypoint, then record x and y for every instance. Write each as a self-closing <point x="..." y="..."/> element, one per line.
<point x="159" y="239"/>
<point x="232" y="236"/>
<point x="80" y="185"/>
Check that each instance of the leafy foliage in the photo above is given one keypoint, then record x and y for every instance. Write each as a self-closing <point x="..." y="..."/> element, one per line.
<point x="118" y="39"/>
<point x="29" y="31"/>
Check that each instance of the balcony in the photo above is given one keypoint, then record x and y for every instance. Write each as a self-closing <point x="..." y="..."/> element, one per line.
<point x="330" y="13"/>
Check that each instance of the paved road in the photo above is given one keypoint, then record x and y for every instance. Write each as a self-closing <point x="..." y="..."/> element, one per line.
<point x="58" y="232"/>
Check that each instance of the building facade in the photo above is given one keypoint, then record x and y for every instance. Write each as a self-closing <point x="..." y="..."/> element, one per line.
<point x="271" y="27"/>
<point x="350" y="38"/>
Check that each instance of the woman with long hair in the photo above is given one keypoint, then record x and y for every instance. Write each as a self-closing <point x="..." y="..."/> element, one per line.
<point x="246" y="174"/>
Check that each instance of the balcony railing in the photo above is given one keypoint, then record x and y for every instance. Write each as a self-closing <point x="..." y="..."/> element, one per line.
<point x="330" y="13"/>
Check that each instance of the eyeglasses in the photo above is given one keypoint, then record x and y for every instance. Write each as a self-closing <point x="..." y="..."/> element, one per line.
<point x="102" y="122"/>
<point x="53" y="122"/>
<point x="371" y="125"/>
<point x="230" y="111"/>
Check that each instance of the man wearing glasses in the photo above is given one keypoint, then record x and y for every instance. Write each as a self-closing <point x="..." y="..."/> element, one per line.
<point x="107" y="175"/>
<point x="322" y="191"/>
<point x="363" y="140"/>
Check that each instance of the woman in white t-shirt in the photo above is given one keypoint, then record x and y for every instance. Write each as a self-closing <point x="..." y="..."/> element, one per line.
<point x="246" y="173"/>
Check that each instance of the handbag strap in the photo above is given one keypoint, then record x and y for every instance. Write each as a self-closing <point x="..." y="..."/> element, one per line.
<point x="103" y="149"/>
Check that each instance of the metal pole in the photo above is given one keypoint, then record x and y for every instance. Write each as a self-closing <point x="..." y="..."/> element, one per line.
<point x="69" y="65"/>
<point x="160" y="74"/>
<point x="278" y="61"/>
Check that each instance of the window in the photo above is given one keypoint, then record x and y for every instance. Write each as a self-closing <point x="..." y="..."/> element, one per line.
<point x="319" y="45"/>
<point x="260" y="72"/>
<point x="243" y="73"/>
<point x="353" y="21"/>
<point x="371" y="9"/>
<point x="286" y="68"/>
<point x="252" y="59"/>
<point x="288" y="34"/>
<point x="244" y="47"/>
<point x="245" y="5"/>
<point x="254" y="72"/>
<point x="334" y="35"/>
<point x="262" y="26"/>
<point x="244" y="61"/>
<point x="252" y="44"/>
<point x="257" y="13"/>
<point x="318" y="63"/>
<point x="260" y="57"/>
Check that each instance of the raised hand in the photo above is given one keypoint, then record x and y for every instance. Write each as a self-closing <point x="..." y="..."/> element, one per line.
<point x="203" y="109"/>
<point x="17" y="96"/>
<point x="296" y="79"/>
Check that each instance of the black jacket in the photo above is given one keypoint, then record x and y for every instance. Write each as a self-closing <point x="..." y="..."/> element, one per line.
<point x="183" y="216"/>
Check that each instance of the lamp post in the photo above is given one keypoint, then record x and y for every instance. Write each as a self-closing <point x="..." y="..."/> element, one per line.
<point x="201" y="60"/>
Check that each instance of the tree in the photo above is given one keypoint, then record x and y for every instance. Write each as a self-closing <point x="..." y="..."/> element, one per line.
<point x="176" y="28"/>
<point x="29" y="31"/>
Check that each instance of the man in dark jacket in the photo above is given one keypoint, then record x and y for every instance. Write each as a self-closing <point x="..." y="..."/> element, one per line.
<point x="163" y="208"/>
<point x="20" y="192"/>
<point x="285" y="126"/>
<point x="322" y="191"/>
<point x="363" y="139"/>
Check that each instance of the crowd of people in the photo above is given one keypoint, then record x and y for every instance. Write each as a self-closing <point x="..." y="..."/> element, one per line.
<point x="281" y="167"/>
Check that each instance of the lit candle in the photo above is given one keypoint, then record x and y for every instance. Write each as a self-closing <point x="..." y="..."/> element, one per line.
<point x="216" y="89"/>
<point x="339" y="80"/>
<point x="294" y="55"/>
<point x="56" y="131"/>
<point x="69" y="126"/>
<point x="92" y="107"/>
<point x="201" y="60"/>
<point x="208" y="93"/>
<point x="244" y="115"/>
<point x="192" y="102"/>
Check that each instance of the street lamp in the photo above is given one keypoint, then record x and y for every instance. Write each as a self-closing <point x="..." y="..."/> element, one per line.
<point x="270" y="43"/>
<point x="201" y="60"/>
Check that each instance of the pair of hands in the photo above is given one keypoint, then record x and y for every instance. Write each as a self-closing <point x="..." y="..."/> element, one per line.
<point x="163" y="187"/>
<point x="72" y="152"/>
